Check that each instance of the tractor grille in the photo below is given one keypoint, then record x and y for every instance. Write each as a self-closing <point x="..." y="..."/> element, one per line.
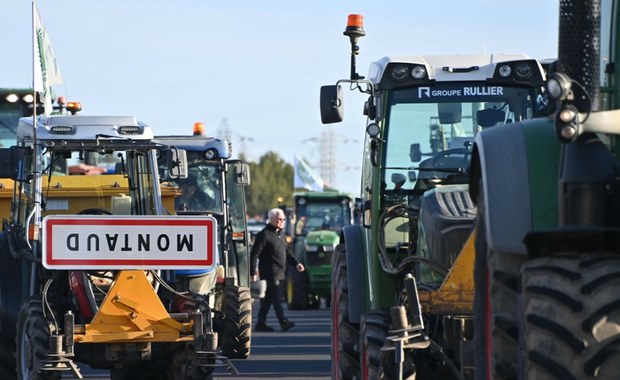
<point x="319" y="257"/>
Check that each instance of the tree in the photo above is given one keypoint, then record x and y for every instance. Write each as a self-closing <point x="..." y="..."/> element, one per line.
<point x="272" y="178"/>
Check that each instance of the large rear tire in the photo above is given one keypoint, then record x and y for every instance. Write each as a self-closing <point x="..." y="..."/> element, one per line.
<point x="496" y="314"/>
<point x="237" y="324"/>
<point x="32" y="342"/>
<point x="297" y="289"/>
<point x="572" y="317"/>
<point x="345" y="335"/>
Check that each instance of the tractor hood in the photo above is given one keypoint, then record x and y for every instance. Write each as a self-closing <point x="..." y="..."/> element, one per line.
<point x="322" y="238"/>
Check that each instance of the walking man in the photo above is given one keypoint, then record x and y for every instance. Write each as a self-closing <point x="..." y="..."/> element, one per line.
<point x="270" y="254"/>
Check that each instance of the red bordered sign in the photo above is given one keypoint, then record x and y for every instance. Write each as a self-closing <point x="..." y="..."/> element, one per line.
<point x="129" y="242"/>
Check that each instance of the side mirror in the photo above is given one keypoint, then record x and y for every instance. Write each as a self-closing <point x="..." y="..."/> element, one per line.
<point x="12" y="160"/>
<point x="332" y="109"/>
<point x="449" y="113"/>
<point x="177" y="163"/>
<point x="242" y="174"/>
<point x="415" y="153"/>
<point x="490" y="117"/>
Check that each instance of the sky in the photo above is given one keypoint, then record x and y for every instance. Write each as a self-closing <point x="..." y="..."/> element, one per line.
<point x="253" y="68"/>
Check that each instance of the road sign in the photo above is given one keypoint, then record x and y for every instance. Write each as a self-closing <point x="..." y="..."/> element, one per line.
<point x="129" y="242"/>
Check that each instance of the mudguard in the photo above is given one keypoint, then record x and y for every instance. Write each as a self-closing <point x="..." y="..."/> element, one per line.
<point x="354" y="244"/>
<point x="518" y="164"/>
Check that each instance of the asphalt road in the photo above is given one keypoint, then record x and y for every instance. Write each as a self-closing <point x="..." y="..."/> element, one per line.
<point x="300" y="353"/>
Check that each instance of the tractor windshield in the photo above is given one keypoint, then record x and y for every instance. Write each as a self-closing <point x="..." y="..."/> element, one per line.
<point x="322" y="215"/>
<point x="429" y="130"/>
<point x="201" y="190"/>
<point x="91" y="182"/>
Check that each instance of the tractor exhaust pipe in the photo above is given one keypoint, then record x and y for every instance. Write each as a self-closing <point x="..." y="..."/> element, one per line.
<point x="579" y="49"/>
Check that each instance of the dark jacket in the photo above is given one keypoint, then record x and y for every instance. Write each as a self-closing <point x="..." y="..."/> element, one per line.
<point x="271" y="253"/>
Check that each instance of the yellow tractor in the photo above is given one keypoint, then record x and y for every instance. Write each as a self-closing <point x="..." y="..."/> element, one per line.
<point x="89" y="252"/>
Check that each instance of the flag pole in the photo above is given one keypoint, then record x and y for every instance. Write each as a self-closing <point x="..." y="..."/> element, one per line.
<point x="34" y="74"/>
<point x="37" y="164"/>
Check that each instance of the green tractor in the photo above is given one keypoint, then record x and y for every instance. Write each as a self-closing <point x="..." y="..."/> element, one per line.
<point x="319" y="218"/>
<point x="402" y="278"/>
<point x="547" y="273"/>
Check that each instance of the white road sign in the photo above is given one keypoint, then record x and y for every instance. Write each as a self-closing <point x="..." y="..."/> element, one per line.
<point x="129" y="242"/>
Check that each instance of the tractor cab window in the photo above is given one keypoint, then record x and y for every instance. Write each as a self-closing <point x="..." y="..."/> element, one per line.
<point x="430" y="130"/>
<point x="201" y="190"/>
<point x="95" y="182"/>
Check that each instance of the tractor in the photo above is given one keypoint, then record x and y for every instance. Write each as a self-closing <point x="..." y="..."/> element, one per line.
<point x="218" y="183"/>
<point x="319" y="218"/>
<point x="89" y="255"/>
<point x="547" y="268"/>
<point x="402" y="282"/>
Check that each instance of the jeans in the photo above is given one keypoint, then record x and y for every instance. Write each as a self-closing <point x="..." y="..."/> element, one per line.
<point x="273" y="296"/>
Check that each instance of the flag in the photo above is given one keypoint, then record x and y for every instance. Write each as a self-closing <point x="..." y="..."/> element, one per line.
<point x="305" y="177"/>
<point x="46" y="70"/>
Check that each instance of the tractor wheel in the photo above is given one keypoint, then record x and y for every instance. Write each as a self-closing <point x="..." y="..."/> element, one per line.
<point x="345" y="335"/>
<point x="297" y="287"/>
<point x="377" y="364"/>
<point x="496" y="323"/>
<point x="32" y="342"/>
<point x="374" y="328"/>
<point x="571" y="308"/>
<point x="237" y="323"/>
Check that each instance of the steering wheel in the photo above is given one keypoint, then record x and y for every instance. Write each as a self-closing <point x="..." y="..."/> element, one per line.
<point x="94" y="211"/>
<point x="447" y="156"/>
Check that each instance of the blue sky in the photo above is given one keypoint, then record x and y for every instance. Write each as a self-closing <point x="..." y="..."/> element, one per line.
<point x="255" y="66"/>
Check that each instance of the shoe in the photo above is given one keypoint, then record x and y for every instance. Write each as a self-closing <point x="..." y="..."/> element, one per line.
<point x="287" y="325"/>
<point x="262" y="326"/>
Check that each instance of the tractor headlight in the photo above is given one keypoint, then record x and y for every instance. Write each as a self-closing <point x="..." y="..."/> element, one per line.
<point x="559" y="86"/>
<point x="505" y="71"/>
<point x="129" y="130"/>
<point x="328" y="248"/>
<point x="12" y="98"/>
<point x="312" y="248"/>
<point x="210" y="154"/>
<point x="61" y="129"/>
<point x="399" y="72"/>
<point x="567" y="123"/>
<point x="418" y="72"/>
<point x="523" y="70"/>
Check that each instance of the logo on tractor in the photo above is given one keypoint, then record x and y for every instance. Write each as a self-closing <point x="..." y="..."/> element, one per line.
<point x="426" y="92"/>
<point x="129" y="242"/>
